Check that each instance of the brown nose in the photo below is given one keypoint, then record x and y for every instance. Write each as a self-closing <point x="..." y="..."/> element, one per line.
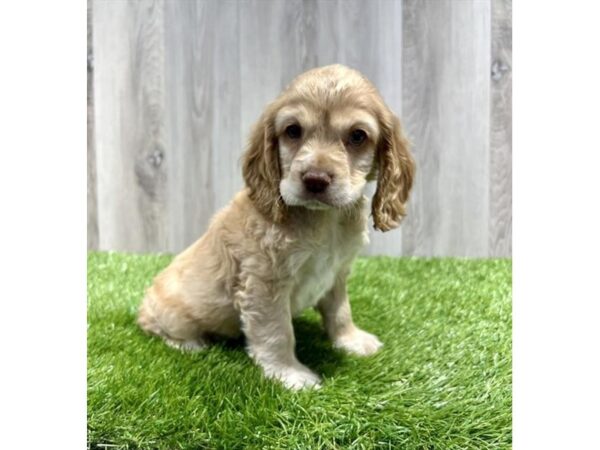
<point x="316" y="181"/>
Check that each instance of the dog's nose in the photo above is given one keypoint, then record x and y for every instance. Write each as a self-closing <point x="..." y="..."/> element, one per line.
<point x="316" y="181"/>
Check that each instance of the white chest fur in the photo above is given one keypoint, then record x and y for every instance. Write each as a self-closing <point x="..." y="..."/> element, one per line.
<point x="314" y="279"/>
<point x="316" y="274"/>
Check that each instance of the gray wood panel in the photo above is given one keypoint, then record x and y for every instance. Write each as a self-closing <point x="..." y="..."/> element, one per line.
<point x="178" y="84"/>
<point x="227" y="134"/>
<point x="190" y="42"/>
<point x="129" y="124"/>
<point x="92" y="205"/>
<point x="446" y="100"/>
<point x="261" y="45"/>
<point x="500" y="243"/>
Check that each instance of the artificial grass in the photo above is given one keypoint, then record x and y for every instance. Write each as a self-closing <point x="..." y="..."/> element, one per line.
<point x="441" y="381"/>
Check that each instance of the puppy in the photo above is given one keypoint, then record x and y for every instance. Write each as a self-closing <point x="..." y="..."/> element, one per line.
<point x="287" y="241"/>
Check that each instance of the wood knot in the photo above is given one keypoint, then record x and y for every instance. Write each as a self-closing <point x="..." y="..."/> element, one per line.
<point x="156" y="158"/>
<point x="499" y="68"/>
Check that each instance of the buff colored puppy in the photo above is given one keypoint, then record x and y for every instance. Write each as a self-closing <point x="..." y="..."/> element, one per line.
<point x="287" y="241"/>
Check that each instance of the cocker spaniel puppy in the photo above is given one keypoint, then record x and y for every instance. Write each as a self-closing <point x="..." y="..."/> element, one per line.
<point x="287" y="241"/>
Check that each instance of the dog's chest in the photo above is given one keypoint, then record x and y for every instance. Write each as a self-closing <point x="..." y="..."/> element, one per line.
<point x="316" y="275"/>
<point x="315" y="278"/>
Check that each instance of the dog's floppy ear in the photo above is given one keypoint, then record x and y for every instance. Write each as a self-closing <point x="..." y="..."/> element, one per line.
<point x="396" y="169"/>
<point x="261" y="170"/>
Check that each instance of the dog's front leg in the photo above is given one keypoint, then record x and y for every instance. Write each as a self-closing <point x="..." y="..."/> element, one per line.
<point x="337" y="318"/>
<point x="267" y="325"/>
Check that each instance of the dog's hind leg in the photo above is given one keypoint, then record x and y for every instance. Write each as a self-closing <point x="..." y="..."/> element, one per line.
<point x="176" y="330"/>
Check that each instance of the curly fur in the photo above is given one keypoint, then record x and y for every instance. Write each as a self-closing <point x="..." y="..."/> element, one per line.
<point x="261" y="170"/>
<point x="396" y="172"/>
<point x="277" y="248"/>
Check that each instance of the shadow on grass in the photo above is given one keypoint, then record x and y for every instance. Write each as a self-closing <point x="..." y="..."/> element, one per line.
<point x="313" y="347"/>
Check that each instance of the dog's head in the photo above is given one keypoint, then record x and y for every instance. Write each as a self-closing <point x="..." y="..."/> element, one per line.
<point x="321" y="140"/>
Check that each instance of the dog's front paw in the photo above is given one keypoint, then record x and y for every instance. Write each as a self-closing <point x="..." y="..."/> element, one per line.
<point x="358" y="342"/>
<point x="295" y="377"/>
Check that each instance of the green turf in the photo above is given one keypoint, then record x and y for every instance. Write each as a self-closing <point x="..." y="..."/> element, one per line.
<point x="441" y="381"/>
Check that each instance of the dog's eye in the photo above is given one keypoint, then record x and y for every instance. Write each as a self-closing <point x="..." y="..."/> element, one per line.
<point x="294" y="131"/>
<point x="357" y="137"/>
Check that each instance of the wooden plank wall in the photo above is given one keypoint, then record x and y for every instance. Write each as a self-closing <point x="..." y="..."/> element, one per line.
<point x="446" y="91"/>
<point x="92" y="206"/>
<point x="500" y="184"/>
<point x="178" y="84"/>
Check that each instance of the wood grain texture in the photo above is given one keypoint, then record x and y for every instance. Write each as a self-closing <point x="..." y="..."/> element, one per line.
<point x="227" y="138"/>
<point x="203" y="114"/>
<point x="260" y="58"/>
<point x="446" y="98"/>
<point x="500" y="243"/>
<point x="190" y="42"/>
<point x="92" y="204"/>
<point x="129" y="124"/>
